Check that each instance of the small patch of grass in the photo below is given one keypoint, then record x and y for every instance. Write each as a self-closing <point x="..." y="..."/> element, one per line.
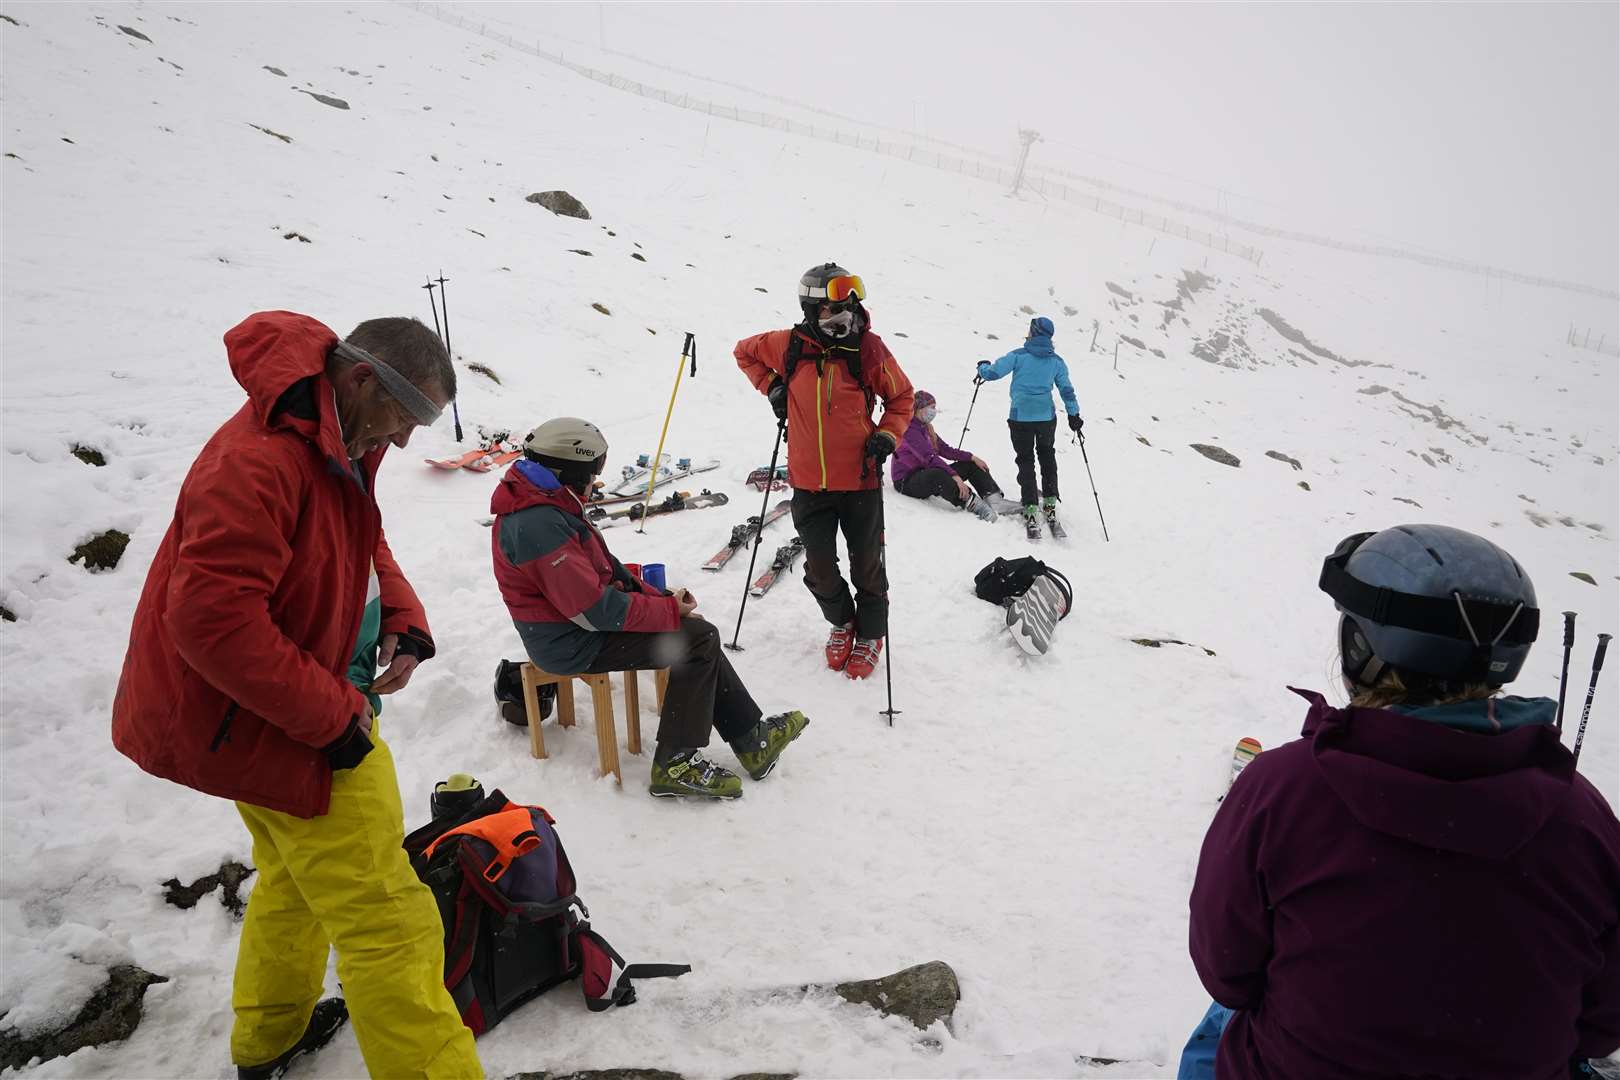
<point x="602" y="309"/>
<point x="485" y="372"/>
<point x="101" y="552"/>
<point x="89" y="455"/>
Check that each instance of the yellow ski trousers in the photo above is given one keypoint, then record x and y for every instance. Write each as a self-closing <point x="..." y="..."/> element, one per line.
<point x="343" y="880"/>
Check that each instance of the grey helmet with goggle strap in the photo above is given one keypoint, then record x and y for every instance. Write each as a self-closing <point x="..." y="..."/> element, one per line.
<point x="1431" y="601"/>
<point x="830" y="283"/>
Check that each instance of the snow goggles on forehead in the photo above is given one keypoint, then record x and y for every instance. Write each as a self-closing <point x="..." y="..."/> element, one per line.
<point x="836" y="290"/>
<point x="401" y="389"/>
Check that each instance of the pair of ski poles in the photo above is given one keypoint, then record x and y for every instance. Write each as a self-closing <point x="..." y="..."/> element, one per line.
<point x="759" y="535"/>
<point x="444" y="334"/>
<point x="1591" y="688"/>
<point x="1079" y="437"/>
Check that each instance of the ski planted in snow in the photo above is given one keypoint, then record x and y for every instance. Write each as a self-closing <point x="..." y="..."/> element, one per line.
<point x="1033" y="617"/>
<point x="741" y="534"/>
<point x="1244" y="753"/>
<point x="786" y="556"/>
<point x="681" y="500"/>
<point x="1055" y="526"/>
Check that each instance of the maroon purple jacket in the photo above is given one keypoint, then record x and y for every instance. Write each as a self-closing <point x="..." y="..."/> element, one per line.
<point x="921" y="448"/>
<point x="1390" y="897"/>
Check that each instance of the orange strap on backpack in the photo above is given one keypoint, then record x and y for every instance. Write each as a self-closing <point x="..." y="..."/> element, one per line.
<point x="510" y="831"/>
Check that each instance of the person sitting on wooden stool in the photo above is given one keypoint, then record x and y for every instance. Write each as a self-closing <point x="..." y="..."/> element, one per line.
<point x="579" y="611"/>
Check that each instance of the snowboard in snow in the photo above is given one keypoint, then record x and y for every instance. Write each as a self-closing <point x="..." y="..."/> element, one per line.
<point x="1033" y="617"/>
<point x="741" y="534"/>
<point x="786" y="556"/>
<point x="1244" y="753"/>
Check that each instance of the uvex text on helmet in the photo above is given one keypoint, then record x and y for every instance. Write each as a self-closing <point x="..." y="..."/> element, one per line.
<point x="567" y="438"/>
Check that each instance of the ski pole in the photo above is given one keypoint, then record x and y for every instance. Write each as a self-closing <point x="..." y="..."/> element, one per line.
<point x="1082" y="439"/>
<point x="759" y="535"/>
<point x="1563" y="680"/>
<point x="977" y="382"/>
<point x="1586" y="713"/>
<point x="435" y="304"/>
<point x="883" y="563"/>
<point x="444" y="298"/>
<point x="688" y="350"/>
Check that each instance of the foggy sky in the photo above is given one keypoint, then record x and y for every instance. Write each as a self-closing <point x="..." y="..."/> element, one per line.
<point x="1488" y="132"/>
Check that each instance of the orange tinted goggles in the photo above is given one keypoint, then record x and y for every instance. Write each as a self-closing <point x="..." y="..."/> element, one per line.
<point x="840" y="289"/>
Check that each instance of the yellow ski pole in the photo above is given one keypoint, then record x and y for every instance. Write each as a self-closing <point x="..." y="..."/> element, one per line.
<point x="688" y="350"/>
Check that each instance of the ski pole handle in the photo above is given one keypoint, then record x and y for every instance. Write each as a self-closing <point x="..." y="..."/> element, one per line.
<point x="1569" y="629"/>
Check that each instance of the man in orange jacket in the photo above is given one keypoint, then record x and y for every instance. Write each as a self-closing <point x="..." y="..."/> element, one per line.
<point x="252" y="674"/>
<point x="823" y="378"/>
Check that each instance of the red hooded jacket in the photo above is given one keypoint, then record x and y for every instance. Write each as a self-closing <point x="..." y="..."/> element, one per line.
<point x="562" y="586"/>
<point x="236" y="671"/>
<point x="829" y="412"/>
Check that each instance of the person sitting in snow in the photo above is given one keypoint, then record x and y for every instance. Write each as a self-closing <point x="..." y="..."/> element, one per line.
<point x="1032" y="421"/>
<point x="252" y="675"/>
<point x="823" y="377"/>
<point x="926" y="464"/>
<point x="578" y="610"/>
<point x="1423" y="885"/>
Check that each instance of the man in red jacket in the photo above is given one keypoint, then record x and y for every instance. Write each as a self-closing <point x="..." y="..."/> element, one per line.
<point x="579" y="610"/>
<point x="823" y="378"/>
<point x="252" y="675"/>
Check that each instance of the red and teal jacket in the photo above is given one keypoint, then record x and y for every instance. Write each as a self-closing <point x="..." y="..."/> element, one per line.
<point x="562" y="586"/>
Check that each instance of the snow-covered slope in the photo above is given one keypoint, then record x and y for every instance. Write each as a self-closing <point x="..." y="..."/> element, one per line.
<point x="1033" y="823"/>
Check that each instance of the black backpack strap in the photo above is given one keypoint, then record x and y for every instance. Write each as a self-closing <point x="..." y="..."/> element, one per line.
<point x="795" y="353"/>
<point x="655" y="971"/>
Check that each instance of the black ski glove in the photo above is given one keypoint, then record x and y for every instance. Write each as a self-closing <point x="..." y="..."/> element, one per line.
<point x="1075" y="423"/>
<point x="878" y="446"/>
<point x="349" y="749"/>
<point x="777" y="396"/>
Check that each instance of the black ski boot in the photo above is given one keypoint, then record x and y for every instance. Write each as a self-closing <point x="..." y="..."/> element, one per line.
<point x="1032" y="522"/>
<point x="509" y="694"/>
<point x="329" y="1015"/>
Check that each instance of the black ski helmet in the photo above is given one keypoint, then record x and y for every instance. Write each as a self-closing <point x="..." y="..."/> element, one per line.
<point x="572" y="448"/>
<point x="1432" y="601"/>
<point x="813" y="289"/>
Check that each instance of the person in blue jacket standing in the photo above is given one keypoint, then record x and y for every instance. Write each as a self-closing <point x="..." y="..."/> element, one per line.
<point x="1032" y="421"/>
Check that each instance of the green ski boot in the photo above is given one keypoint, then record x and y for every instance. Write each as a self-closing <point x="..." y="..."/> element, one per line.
<point x="759" y="750"/>
<point x="690" y="773"/>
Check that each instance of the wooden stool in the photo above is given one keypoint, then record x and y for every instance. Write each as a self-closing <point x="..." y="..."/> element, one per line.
<point x="607" y="738"/>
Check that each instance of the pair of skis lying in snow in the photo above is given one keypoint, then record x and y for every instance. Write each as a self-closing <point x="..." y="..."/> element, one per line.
<point x="741" y="535"/>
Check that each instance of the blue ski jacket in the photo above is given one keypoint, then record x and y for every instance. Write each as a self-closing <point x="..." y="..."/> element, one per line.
<point x="1035" y="369"/>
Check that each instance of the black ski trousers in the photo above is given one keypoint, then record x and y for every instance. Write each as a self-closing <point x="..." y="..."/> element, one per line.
<point x="703" y="692"/>
<point x="926" y="482"/>
<point x="818" y="515"/>
<point x="1032" y="438"/>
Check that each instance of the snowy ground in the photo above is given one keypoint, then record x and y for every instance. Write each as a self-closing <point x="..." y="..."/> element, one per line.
<point x="1033" y="823"/>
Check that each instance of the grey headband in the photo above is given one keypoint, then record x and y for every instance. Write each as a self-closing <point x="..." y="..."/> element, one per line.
<point x="419" y="405"/>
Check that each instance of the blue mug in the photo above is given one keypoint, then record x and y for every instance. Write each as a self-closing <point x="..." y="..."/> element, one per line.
<point x="653" y="574"/>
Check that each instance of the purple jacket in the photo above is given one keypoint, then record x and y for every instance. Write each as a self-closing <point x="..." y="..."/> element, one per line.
<point x="922" y="449"/>
<point x="1392" y="897"/>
